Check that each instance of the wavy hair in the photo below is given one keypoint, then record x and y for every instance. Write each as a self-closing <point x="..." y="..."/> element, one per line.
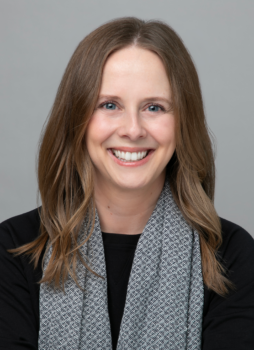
<point x="65" y="171"/>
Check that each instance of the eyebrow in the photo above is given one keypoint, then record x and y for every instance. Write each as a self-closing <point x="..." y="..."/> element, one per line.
<point x="152" y="98"/>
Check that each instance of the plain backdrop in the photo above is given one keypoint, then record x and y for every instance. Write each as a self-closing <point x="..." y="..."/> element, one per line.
<point x="38" y="39"/>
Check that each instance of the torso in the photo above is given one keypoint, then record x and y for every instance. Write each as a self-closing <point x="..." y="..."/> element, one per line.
<point x="227" y="322"/>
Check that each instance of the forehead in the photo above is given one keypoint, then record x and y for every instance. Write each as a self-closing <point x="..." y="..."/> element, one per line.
<point x="134" y="67"/>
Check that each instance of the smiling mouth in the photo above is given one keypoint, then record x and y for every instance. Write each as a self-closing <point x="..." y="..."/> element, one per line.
<point x="130" y="156"/>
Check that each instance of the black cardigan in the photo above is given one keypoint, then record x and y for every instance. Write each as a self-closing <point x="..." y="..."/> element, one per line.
<point x="228" y="323"/>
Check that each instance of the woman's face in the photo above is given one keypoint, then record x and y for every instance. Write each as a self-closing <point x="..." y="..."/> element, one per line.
<point x="131" y="135"/>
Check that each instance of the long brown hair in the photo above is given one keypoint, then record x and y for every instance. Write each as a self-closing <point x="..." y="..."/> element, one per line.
<point x="65" y="172"/>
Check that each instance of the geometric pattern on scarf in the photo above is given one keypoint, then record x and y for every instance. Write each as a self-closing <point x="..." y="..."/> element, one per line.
<point x="164" y="302"/>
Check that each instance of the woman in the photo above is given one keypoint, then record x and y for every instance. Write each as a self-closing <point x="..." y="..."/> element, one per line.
<point x="127" y="250"/>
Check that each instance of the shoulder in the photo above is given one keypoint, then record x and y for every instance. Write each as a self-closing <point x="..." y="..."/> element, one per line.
<point x="20" y="229"/>
<point x="232" y="230"/>
<point x="236" y="255"/>
<point x="228" y="322"/>
<point x="19" y="288"/>
<point x="237" y="249"/>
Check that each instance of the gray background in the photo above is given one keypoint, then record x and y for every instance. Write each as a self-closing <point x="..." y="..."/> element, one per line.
<point x="38" y="39"/>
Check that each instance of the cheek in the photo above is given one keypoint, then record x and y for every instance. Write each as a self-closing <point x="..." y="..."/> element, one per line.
<point x="99" y="130"/>
<point x="164" y="132"/>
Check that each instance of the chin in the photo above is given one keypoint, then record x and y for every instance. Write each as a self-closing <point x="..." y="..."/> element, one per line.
<point x="132" y="184"/>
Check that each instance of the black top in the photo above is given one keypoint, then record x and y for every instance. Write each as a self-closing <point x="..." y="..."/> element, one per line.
<point x="119" y="253"/>
<point x="228" y="323"/>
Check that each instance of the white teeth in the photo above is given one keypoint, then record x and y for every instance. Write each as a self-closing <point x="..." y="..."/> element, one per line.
<point x="134" y="156"/>
<point x="129" y="156"/>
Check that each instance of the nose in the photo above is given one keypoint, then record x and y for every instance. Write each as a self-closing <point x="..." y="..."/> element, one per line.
<point x="132" y="126"/>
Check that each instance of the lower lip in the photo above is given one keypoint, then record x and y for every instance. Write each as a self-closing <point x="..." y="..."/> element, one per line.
<point x="131" y="164"/>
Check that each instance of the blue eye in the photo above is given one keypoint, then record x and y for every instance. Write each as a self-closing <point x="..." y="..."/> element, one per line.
<point x="110" y="105"/>
<point x="154" y="108"/>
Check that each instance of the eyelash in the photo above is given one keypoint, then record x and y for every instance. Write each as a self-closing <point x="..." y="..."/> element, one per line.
<point x="152" y="104"/>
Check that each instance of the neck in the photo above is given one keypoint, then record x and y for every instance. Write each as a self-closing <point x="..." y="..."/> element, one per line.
<point x="126" y="211"/>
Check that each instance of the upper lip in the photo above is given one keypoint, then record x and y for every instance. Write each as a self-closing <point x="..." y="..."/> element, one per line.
<point x="131" y="149"/>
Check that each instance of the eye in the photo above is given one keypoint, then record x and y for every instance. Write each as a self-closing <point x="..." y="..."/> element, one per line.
<point x="155" y="108"/>
<point x="109" y="105"/>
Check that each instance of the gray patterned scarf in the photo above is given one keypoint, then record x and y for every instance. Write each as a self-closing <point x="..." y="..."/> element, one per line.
<point x="164" y="302"/>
